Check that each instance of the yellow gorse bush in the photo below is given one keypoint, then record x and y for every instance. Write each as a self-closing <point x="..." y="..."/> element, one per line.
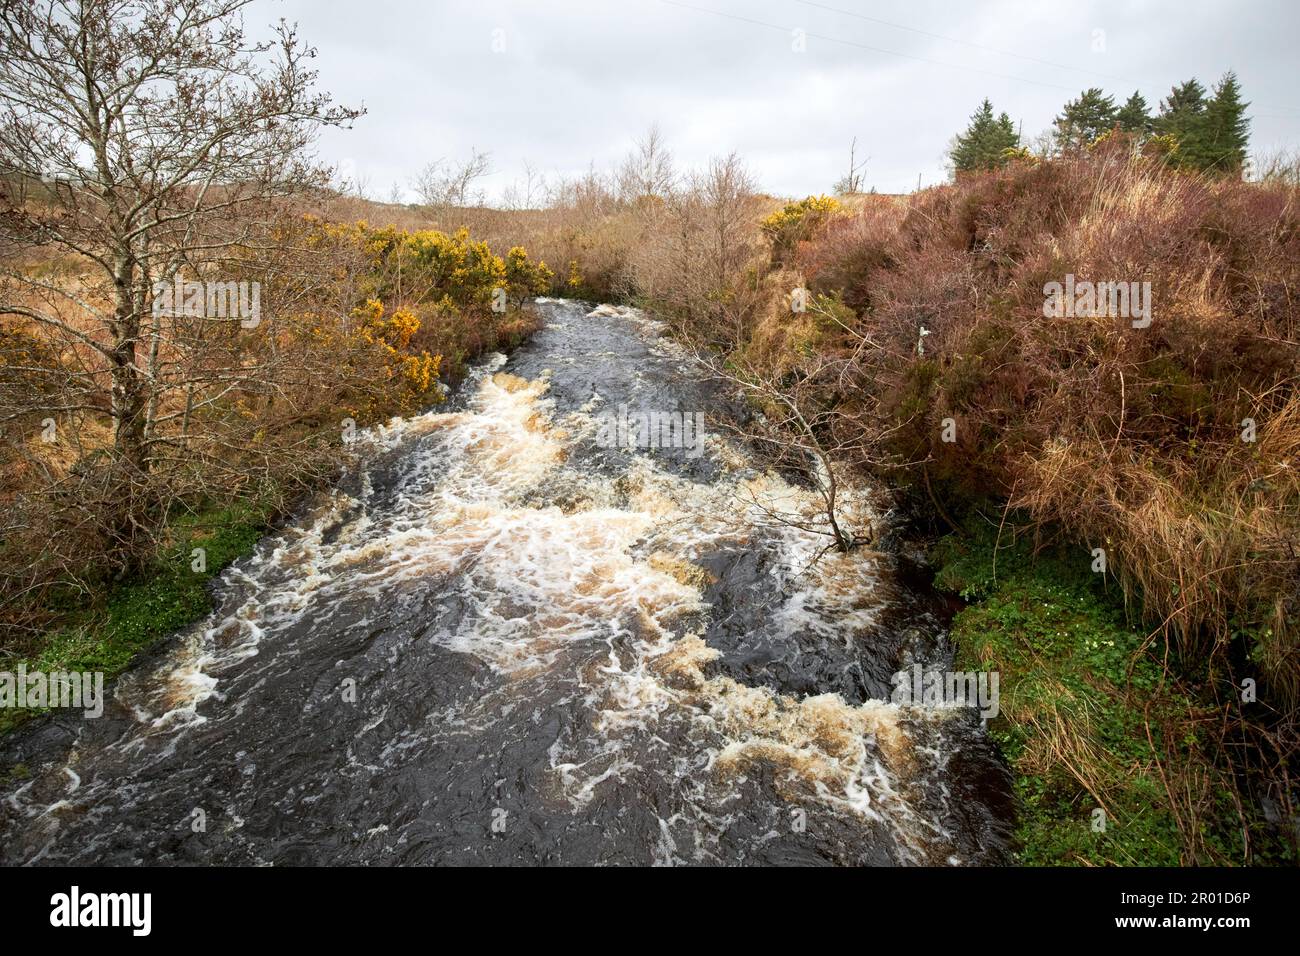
<point x="525" y="278"/>
<point x="392" y="336"/>
<point x="426" y="302"/>
<point x="810" y="208"/>
<point x="428" y="266"/>
<point x="400" y="328"/>
<point x="426" y="285"/>
<point x="798" y="221"/>
<point x="421" y="371"/>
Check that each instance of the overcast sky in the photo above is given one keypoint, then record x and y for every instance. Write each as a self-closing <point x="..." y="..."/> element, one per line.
<point x="565" y="83"/>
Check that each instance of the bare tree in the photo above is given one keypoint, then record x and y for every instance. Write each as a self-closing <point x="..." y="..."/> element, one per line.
<point x="525" y="193"/>
<point x="161" y="132"/>
<point x="359" y="186"/>
<point x="584" y="198"/>
<point x="703" y="260"/>
<point x="802" y="421"/>
<point x="852" y="181"/>
<point x="444" y="186"/>
<point x="647" y="172"/>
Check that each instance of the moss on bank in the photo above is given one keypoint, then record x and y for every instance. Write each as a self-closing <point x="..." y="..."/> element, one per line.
<point x="132" y="615"/>
<point x="1112" y="758"/>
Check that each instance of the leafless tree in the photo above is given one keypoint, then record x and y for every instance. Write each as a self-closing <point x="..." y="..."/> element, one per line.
<point x="142" y="142"/>
<point x="802" y="421"/>
<point x="852" y="181"/>
<point x="360" y="186"/>
<point x="444" y="186"/>
<point x="647" y="172"/>
<point x="585" y="198"/>
<point x="697" y="257"/>
<point x="161" y="132"/>
<point x="527" y="192"/>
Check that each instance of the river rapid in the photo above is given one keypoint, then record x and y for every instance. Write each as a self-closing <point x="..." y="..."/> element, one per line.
<point x="500" y="640"/>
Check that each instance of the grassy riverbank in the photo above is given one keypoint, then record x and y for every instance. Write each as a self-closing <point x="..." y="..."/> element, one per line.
<point x="912" y="340"/>
<point x="1116" y="762"/>
<point x="127" y="618"/>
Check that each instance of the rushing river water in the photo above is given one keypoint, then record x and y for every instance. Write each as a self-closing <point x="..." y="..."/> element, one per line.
<point x="502" y="641"/>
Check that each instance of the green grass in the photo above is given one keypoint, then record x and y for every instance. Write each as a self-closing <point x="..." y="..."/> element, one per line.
<point x="1081" y="704"/>
<point x="162" y="598"/>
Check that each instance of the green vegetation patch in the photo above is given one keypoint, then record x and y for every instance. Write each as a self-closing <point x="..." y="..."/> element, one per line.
<point x="164" y="597"/>
<point x="1094" y="730"/>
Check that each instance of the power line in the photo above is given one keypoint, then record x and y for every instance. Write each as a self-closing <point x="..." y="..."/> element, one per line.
<point x="969" y="43"/>
<point x="864" y="46"/>
<point x="1010" y="53"/>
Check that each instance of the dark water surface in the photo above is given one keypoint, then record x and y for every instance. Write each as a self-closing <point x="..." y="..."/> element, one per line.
<point x="501" y="642"/>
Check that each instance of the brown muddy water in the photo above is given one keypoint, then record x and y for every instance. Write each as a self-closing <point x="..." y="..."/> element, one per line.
<point x="499" y="641"/>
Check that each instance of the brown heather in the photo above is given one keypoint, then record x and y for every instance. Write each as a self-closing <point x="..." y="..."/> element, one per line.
<point x="1127" y="438"/>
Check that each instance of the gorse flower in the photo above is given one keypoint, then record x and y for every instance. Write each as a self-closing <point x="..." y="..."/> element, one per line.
<point x="797" y="222"/>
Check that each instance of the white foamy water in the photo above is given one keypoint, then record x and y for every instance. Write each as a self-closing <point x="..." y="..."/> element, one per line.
<point x="586" y="588"/>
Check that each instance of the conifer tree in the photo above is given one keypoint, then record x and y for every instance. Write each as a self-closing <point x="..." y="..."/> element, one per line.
<point x="1225" y="131"/>
<point x="1134" y="116"/>
<point x="1182" y="116"/>
<point x="1084" y="119"/>
<point x="984" y="143"/>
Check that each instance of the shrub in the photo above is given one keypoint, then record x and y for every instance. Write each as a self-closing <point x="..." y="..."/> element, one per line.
<point x="1173" y="447"/>
<point x="796" y="222"/>
<point x="525" y="278"/>
<point x="1130" y="439"/>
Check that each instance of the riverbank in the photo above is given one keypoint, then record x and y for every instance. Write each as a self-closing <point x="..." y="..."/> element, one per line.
<point x="916" y="342"/>
<point x="1118" y="760"/>
<point x="106" y="627"/>
<point x="106" y="634"/>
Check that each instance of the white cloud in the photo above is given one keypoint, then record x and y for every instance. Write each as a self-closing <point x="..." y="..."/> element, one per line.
<point x="578" y="81"/>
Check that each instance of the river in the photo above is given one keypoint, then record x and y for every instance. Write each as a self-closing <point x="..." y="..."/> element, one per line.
<point x="501" y="641"/>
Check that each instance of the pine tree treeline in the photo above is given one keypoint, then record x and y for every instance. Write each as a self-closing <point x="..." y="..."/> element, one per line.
<point x="1208" y="133"/>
